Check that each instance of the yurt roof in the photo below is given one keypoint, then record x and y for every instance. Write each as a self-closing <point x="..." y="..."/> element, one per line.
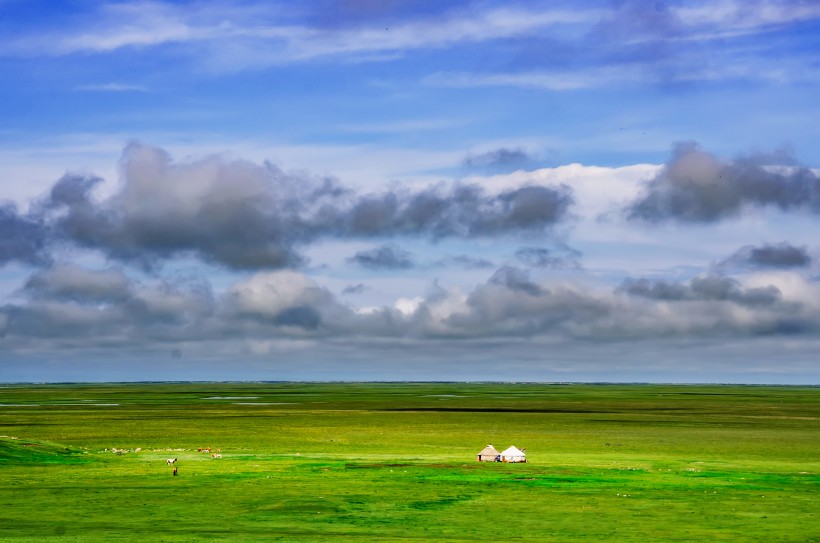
<point x="489" y="449"/>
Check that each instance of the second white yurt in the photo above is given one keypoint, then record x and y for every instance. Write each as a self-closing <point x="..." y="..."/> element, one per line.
<point x="513" y="454"/>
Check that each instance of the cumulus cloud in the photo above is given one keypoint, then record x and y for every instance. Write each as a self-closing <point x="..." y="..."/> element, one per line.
<point x="384" y="257"/>
<point x="717" y="305"/>
<point x="249" y="216"/>
<point x="515" y="279"/>
<point x="22" y="238"/>
<point x="510" y="304"/>
<point x="708" y="288"/>
<point x="499" y="159"/>
<point x="106" y="307"/>
<point x="229" y="212"/>
<point x="464" y="261"/>
<point x="779" y="256"/>
<point x="463" y="211"/>
<point x="283" y="298"/>
<point x="541" y="257"/>
<point x="697" y="187"/>
<point x="71" y="282"/>
<point x="358" y="288"/>
<point x="67" y="307"/>
<point x="183" y="302"/>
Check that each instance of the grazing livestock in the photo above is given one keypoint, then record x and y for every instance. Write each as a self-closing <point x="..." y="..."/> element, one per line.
<point x="171" y="461"/>
<point x="216" y="455"/>
<point x="175" y="471"/>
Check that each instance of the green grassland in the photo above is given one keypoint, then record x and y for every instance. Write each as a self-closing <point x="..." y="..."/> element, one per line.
<point x="396" y="462"/>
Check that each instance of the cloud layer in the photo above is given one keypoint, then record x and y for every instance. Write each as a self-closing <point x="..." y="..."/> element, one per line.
<point x="248" y="216"/>
<point x="74" y="306"/>
<point x="256" y="222"/>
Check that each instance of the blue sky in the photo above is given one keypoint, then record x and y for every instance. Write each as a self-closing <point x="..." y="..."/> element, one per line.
<point x="557" y="191"/>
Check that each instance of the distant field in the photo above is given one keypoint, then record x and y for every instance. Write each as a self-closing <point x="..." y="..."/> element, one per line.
<point x="396" y="462"/>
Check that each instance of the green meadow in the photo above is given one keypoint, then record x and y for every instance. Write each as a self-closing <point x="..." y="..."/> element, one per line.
<point x="396" y="462"/>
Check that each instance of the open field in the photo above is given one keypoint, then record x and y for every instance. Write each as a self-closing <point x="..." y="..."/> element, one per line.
<point x="396" y="462"/>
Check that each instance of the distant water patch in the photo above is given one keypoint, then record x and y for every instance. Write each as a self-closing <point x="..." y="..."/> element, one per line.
<point x="263" y="403"/>
<point x="231" y="398"/>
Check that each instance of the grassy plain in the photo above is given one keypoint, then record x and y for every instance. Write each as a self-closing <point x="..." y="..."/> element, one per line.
<point x="396" y="462"/>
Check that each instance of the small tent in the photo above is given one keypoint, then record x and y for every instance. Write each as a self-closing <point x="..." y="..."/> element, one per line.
<point x="514" y="454"/>
<point x="489" y="454"/>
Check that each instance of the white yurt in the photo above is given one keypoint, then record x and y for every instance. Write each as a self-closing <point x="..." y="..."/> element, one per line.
<point x="513" y="454"/>
<point x="489" y="454"/>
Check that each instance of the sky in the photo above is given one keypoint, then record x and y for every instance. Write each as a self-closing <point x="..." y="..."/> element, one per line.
<point x="617" y="190"/>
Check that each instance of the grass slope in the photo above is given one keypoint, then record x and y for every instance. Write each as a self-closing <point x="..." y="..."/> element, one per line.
<point x="396" y="462"/>
<point x="16" y="451"/>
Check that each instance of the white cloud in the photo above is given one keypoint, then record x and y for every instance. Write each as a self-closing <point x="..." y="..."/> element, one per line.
<point x="753" y="15"/>
<point x="135" y="24"/>
<point x="635" y="74"/>
<point x="794" y="286"/>
<point x="268" y="294"/>
<point x="473" y="26"/>
<point x="246" y="36"/>
<point x="596" y="189"/>
<point x="113" y="87"/>
<point x="408" y="306"/>
<point x="548" y="80"/>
